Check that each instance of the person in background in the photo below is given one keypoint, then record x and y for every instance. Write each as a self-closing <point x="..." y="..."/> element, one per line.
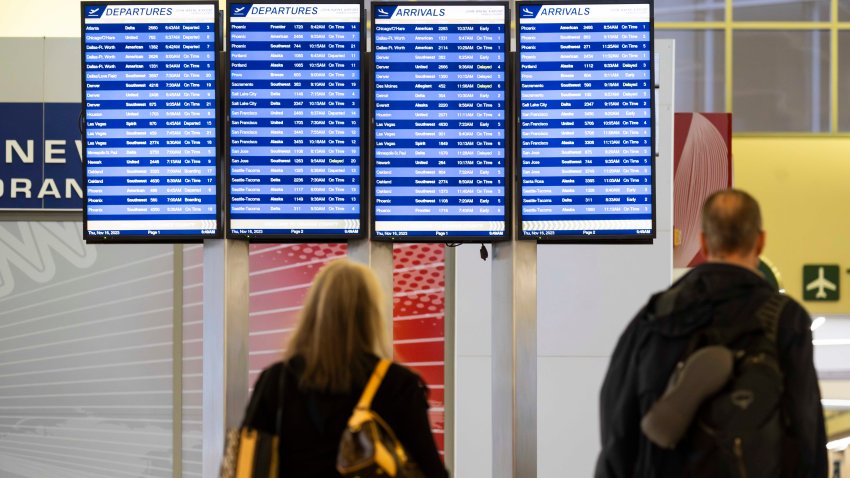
<point x="731" y="290"/>
<point x="329" y="359"/>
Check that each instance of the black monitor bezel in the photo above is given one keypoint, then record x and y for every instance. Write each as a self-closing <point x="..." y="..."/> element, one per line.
<point x="159" y="238"/>
<point x="364" y="163"/>
<point x="580" y="238"/>
<point x="509" y="163"/>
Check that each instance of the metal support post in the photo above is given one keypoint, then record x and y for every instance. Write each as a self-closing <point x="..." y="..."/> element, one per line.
<point x="225" y="351"/>
<point x="450" y="355"/>
<point x="514" y="359"/>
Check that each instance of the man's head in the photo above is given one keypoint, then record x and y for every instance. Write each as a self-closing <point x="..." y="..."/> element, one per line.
<point x="731" y="228"/>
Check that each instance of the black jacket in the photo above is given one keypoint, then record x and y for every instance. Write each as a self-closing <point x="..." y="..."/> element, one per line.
<point x="627" y="392"/>
<point x="313" y="422"/>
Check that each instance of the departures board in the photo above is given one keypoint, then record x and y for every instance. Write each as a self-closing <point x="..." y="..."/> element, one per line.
<point x="440" y="131"/>
<point x="150" y="122"/>
<point x="586" y="111"/>
<point x="295" y="142"/>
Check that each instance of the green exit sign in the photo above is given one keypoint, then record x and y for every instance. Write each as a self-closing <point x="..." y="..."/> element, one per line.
<point x="821" y="282"/>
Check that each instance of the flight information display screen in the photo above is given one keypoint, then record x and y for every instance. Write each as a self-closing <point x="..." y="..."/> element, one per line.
<point x="149" y="105"/>
<point x="295" y="120"/>
<point x="440" y="129"/>
<point x="586" y="143"/>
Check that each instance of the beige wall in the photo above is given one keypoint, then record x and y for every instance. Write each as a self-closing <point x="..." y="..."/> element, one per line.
<point x="803" y="185"/>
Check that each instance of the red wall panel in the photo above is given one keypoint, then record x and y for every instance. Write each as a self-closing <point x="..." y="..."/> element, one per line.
<point x="280" y="276"/>
<point x="418" y="320"/>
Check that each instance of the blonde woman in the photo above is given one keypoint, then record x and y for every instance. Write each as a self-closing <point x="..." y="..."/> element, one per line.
<point x="329" y="359"/>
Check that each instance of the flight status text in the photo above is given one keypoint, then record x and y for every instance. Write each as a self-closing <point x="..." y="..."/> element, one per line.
<point x="585" y="120"/>
<point x="439" y="120"/>
<point x="150" y="117"/>
<point x="295" y="132"/>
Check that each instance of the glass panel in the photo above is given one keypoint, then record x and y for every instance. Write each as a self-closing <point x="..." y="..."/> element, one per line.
<point x="781" y="81"/>
<point x="844" y="81"/>
<point x="781" y="10"/>
<point x="689" y="10"/>
<point x="193" y="359"/>
<point x="844" y="10"/>
<point x="86" y="355"/>
<point x="700" y="70"/>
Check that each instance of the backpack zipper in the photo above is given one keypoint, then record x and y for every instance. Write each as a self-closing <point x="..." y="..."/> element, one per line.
<point x="739" y="454"/>
<point x="760" y="359"/>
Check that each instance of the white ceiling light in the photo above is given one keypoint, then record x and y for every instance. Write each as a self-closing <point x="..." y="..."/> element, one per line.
<point x="818" y="322"/>
<point x="831" y="342"/>
<point x="834" y="403"/>
<point x="838" y="445"/>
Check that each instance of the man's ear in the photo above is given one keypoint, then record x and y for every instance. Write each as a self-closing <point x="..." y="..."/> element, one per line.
<point x="760" y="240"/>
<point x="703" y="247"/>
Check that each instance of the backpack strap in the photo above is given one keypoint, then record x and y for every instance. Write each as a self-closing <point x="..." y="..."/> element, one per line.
<point x="375" y="380"/>
<point x="768" y="315"/>
<point x="767" y="321"/>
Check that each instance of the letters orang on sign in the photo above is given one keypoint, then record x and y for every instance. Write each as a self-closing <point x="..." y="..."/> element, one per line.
<point x="55" y="152"/>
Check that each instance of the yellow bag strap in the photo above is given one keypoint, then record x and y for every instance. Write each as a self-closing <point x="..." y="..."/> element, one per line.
<point x="372" y="386"/>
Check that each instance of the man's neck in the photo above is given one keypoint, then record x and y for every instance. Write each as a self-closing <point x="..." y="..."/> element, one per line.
<point x="746" y="261"/>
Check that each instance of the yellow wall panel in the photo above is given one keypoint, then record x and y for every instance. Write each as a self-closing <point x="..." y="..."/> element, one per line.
<point x="803" y="185"/>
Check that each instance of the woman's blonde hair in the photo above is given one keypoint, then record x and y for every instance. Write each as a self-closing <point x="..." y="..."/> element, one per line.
<point x="341" y="322"/>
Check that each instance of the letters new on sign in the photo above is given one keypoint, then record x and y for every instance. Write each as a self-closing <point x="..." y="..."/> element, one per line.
<point x="42" y="148"/>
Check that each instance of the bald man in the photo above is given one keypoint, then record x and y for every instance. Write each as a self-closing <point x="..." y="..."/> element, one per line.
<point x="725" y="293"/>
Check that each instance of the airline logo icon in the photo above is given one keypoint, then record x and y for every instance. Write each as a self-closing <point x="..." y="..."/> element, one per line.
<point x="94" y="11"/>
<point x="240" y="9"/>
<point x="529" y="11"/>
<point x="385" y="11"/>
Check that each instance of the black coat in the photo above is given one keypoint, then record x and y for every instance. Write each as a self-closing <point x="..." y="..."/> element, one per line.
<point x="736" y="292"/>
<point x="313" y="422"/>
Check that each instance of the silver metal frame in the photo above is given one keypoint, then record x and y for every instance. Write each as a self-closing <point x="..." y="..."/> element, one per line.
<point x="177" y="365"/>
<point x="514" y="365"/>
<point x="225" y="349"/>
<point x="449" y="353"/>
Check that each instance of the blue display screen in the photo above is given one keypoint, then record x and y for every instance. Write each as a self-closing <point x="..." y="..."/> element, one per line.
<point x="149" y="99"/>
<point x="295" y="120"/>
<point x="440" y="103"/>
<point x="586" y="120"/>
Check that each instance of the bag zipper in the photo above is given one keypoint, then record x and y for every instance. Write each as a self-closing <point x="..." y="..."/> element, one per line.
<point x="739" y="454"/>
<point x="760" y="359"/>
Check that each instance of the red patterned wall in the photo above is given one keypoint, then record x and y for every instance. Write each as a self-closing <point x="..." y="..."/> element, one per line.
<point x="702" y="162"/>
<point x="418" y="320"/>
<point x="280" y="275"/>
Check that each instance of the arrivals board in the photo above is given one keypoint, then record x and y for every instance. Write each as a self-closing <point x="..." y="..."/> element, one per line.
<point x="586" y="146"/>
<point x="440" y="126"/>
<point x="150" y="123"/>
<point x="296" y="153"/>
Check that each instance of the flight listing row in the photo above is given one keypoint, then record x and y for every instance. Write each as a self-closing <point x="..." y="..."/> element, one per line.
<point x="299" y="36"/>
<point x="142" y="29"/>
<point x="574" y="28"/>
<point x="136" y="40"/>
<point x="562" y="37"/>
<point x="289" y="26"/>
<point x="172" y="46"/>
